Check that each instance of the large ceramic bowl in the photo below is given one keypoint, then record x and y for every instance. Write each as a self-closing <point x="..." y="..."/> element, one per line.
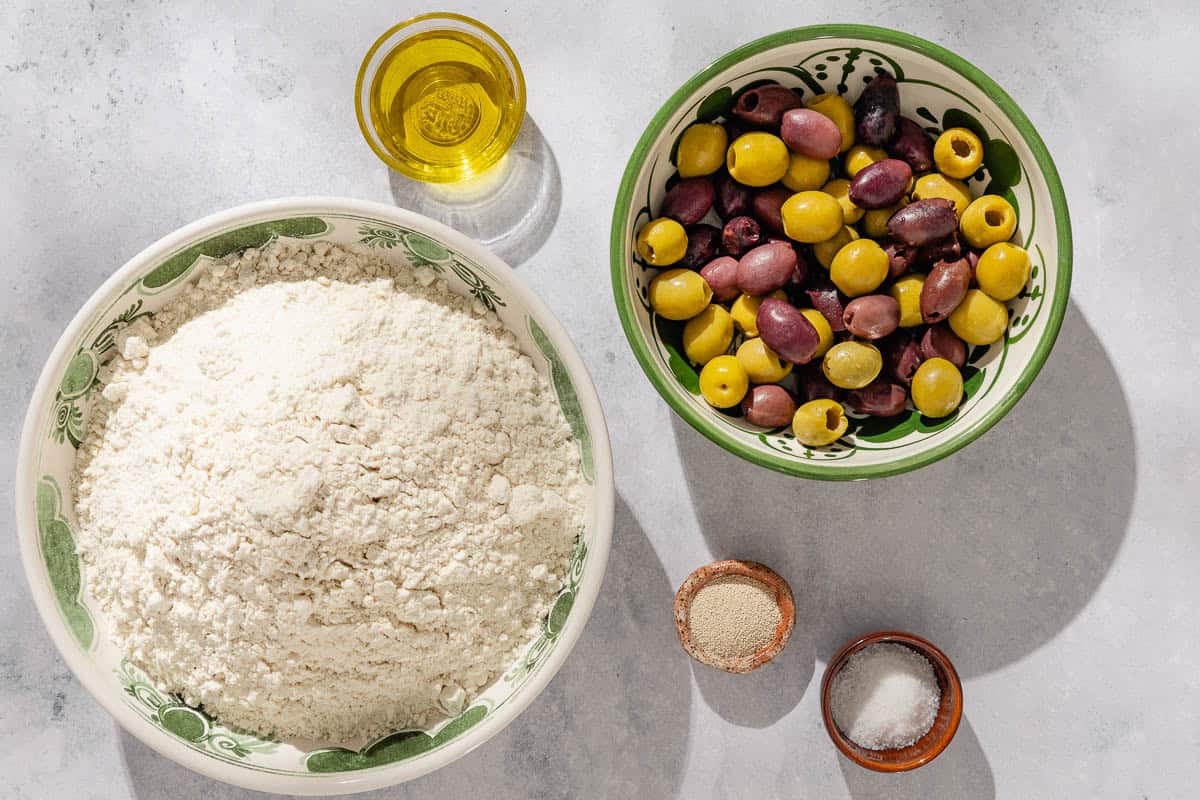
<point x="45" y="508"/>
<point x="940" y="90"/>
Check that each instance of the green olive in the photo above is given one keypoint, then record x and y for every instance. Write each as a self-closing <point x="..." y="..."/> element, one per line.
<point x="937" y="387"/>
<point x="874" y="222"/>
<point x="723" y="382"/>
<point x="859" y="156"/>
<point x="826" y="250"/>
<point x="958" y="153"/>
<point x="679" y="294"/>
<point x="805" y="173"/>
<point x="907" y="292"/>
<point x="1002" y="271"/>
<point x="859" y="267"/>
<point x="989" y="219"/>
<point x="757" y="159"/>
<point x="661" y="242"/>
<point x="708" y="334"/>
<point x="979" y="319"/>
<point x="839" y="189"/>
<point x="745" y="311"/>
<point x="852" y="365"/>
<point x="824" y="330"/>
<point x="819" y="422"/>
<point x="937" y="185"/>
<point x="811" y="217"/>
<point x="701" y="150"/>
<point x="761" y="363"/>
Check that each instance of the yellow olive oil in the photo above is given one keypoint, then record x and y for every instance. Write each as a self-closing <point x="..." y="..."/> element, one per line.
<point x="445" y="106"/>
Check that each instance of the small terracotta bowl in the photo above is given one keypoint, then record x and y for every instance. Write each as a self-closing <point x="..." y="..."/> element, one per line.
<point x="747" y="569"/>
<point x="945" y="724"/>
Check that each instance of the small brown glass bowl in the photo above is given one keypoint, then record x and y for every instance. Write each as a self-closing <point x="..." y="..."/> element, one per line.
<point x="747" y="569"/>
<point x="945" y="724"/>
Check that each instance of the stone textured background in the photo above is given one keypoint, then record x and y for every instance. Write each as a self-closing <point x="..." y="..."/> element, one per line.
<point x="1055" y="560"/>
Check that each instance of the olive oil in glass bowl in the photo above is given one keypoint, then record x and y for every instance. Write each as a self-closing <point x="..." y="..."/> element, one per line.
<point x="440" y="98"/>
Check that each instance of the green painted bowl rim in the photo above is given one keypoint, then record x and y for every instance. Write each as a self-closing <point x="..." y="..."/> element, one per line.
<point x="664" y="381"/>
<point x="96" y="680"/>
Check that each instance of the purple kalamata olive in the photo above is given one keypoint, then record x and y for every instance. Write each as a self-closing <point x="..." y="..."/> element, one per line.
<point x="912" y="145"/>
<point x="767" y="206"/>
<point x="877" y="110"/>
<point x="786" y="331"/>
<point x="948" y="248"/>
<point x="732" y="198"/>
<point x="813" y="385"/>
<point x="810" y="133"/>
<point x="879" y="398"/>
<point x="763" y="106"/>
<point x="924" y="221"/>
<point x="880" y="184"/>
<point x="766" y="268"/>
<point x="900" y="259"/>
<point x="872" y="316"/>
<point x="741" y="234"/>
<point x="941" y="342"/>
<point x="704" y="241"/>
<point x="825" y="298"/>
<point x="944" y="288"/>
<point x="721" y="275"/>
<point x="803" y="265"/>
<point x="688" y="201"/>
<point x="769" y="406"/>
<point x="972" y="257"/>
<point x="901" y="356"/>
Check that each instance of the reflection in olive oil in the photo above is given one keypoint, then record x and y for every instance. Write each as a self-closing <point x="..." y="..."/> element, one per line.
<point x="444" y="104"/>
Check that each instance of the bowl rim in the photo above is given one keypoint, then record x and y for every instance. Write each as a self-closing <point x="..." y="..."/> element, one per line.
<point x="802" y="468"/>
<point x="88" y="673"/>
<point x="937" y="659"/>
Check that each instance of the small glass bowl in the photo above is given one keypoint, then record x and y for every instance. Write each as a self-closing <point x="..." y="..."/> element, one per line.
<point x="945" y="724"/>
<point x="425" y="23"/>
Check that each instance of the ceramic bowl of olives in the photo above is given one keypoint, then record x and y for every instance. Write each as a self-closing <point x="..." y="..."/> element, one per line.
<point x="841" y="252"/>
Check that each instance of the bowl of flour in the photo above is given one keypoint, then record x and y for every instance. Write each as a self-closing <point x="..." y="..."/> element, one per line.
<point x="314" y="496"/>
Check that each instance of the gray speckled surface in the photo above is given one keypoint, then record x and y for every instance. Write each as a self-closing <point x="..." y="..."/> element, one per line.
<point x="1055" y="560"/>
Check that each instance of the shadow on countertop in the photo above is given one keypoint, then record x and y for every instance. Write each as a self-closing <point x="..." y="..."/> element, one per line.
<point x="613" y="722"/>
<point x="989" y="553"/>
<point x="760" y="698"/>
<point x="510" y="209"/>
<point x="962" y="770"/>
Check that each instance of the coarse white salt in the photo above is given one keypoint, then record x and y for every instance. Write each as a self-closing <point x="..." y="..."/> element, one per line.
<point x="885" y="697"/>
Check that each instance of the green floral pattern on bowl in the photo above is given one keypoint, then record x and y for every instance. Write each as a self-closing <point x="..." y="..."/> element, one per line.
<point x="58" y="429"/>
<point x="941" y="91"/>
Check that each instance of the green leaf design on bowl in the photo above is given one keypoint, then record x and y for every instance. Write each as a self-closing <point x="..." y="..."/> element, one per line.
<point x="62" y="561"/>
<point x="192" y="725"/>
<point x="568" y="400"/>
<point x="425" y="248"/>
<point x="957" y="118"/>
<point x="715" y="105"/>
<point x="184" y="723"/>
<point x="228" y="242"/>
<point x="557" y="618"/>
<point x="671" y="335"/>
<point x="78" y="376"/>
<point x="394" y="747"/>
<point x="1002" y="163"/>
